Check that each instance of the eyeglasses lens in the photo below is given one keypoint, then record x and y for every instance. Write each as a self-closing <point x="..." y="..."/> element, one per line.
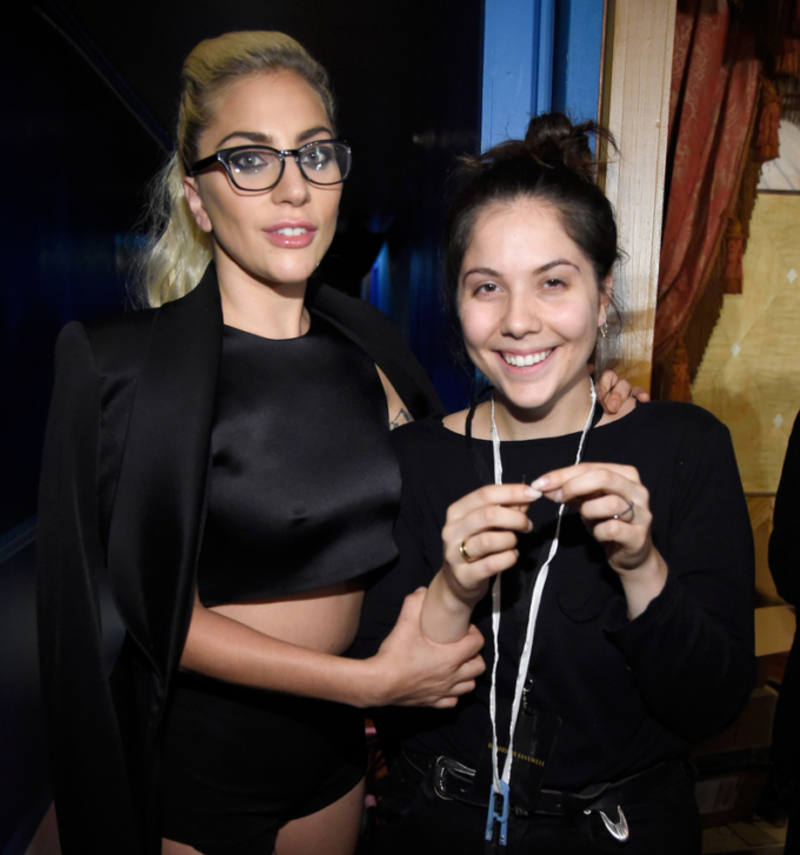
<point x="259" y="168"/>
<point x="255" y="168"/>
<point x="325" y="163"/>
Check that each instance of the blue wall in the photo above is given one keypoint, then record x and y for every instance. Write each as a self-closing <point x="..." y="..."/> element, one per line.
<point x="539" y="55"/>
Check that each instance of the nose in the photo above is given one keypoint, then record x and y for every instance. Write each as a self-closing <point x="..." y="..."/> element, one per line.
<point x="293" y="187"/>
<point x="521" y="315"/>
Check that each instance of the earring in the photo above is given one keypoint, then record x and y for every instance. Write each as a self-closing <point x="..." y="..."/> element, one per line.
<point x="604" y="330"/>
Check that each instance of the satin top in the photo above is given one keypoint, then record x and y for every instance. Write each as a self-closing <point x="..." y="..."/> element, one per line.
<point x="304" y="486"/>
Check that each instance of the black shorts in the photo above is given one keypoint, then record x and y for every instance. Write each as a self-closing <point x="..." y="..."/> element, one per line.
<point x="237" y="763"/>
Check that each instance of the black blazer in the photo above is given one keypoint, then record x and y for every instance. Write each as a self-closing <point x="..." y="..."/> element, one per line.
<point x="123" y="493"/>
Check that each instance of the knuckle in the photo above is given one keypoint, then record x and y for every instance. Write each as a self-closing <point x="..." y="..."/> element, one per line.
<point x="605" y="477"/>
<point x="490" y="514"/>
<point x="483" y="543"/>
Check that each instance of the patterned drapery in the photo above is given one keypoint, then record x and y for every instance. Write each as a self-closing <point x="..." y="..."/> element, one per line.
<point x="713" y="107"/>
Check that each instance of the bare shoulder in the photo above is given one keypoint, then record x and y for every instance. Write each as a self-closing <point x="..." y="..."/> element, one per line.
<point x="397" y="411"/>
<point x="456" y="422"/>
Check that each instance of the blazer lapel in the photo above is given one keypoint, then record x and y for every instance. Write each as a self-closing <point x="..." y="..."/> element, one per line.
<point x="158" y="512"/>
<point x="371" y="330"/>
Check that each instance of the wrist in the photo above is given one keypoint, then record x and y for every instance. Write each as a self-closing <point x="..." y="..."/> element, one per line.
<point x="644" y="584"/>
<point x="454" y="595"/>
<point x="374" y="684"/>
<point x="446" y="613"/>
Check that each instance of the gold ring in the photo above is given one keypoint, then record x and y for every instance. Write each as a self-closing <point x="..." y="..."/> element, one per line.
<point x="631" y="509"/>
<point x="463" y="550"/>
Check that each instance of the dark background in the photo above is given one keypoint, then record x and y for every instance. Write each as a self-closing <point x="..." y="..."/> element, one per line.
<point x="89" y="102"/>
<point x="88" y="99"/>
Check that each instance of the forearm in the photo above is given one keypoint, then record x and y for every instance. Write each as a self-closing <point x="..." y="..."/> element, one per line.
<point x="445" y="615"/>
<point x="226" y="649"/>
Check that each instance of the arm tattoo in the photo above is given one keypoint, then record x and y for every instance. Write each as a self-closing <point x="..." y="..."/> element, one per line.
<point x="402" y="417"/>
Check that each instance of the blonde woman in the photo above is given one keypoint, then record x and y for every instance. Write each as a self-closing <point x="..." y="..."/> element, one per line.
<point x="224" y="458"/>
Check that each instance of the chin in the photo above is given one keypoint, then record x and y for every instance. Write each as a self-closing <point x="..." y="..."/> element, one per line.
<point x="528" y="403"/>
<point x="292" y="274"/>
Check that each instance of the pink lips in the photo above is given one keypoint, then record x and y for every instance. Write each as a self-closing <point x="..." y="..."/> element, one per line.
<point x="291" y="234"/>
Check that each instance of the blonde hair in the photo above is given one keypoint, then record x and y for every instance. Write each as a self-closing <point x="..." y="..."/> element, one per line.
<point x="178" y="250"/>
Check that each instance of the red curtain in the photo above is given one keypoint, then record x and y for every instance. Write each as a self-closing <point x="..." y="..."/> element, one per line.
<point x="714" y="97"/>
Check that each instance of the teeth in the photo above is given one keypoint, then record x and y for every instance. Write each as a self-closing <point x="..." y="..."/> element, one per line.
<point x="525" y="361"/>
<point x="291" y="232"/>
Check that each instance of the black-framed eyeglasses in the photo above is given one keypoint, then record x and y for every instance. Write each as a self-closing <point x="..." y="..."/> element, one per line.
<point x="260" y="167"/>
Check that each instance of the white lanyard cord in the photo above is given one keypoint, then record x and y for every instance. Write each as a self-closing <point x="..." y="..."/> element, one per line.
<point x="536" y="600"/>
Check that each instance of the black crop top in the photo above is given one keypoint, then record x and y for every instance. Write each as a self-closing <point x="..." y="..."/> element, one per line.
<point x="304" y="485"/>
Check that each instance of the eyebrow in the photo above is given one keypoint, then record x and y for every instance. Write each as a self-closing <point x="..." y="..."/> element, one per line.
<point x="488" y="271"/>
<point x="268" y="139"/>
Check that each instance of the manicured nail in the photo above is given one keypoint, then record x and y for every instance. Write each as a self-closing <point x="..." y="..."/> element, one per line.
<point x="557" y="496"/>
<point x="530" y="526"/>
<point x="533" y="494"/>
<point x="540" y="483"/>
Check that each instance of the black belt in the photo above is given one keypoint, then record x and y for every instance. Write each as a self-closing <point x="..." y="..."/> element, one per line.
<point x="452" y="781"/>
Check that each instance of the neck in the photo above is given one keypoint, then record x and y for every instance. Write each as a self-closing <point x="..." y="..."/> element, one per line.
<point x="566" y="416"/>
<point x="275" y="311"/>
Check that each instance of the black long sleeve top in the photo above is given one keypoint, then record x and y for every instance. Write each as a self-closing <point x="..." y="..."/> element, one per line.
<point x="629" y="693"/>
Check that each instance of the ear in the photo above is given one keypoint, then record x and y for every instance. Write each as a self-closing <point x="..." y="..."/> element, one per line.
<point x="606" y="291"/>
<point x="197" y="206"/>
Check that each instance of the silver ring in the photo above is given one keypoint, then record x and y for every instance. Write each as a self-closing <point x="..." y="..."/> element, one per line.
<point x="463" y="550"/>
<point x="631" y="509"/>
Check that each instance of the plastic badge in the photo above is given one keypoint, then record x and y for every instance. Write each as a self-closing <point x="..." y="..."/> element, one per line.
<point x="493" y="816"/>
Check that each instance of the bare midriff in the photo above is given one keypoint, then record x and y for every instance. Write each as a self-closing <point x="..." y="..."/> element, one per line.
<point x="325" y="619"/>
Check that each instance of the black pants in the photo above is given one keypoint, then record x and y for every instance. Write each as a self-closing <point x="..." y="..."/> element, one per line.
<point x="416" y="819"/>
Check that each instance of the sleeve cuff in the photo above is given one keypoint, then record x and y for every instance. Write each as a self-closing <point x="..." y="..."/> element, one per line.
<point x="625" y="633"/>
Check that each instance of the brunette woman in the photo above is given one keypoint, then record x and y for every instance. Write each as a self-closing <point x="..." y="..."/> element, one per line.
<point x="623" y="630"/>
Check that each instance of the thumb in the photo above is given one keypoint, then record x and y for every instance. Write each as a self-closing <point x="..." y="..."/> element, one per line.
<point x="412" y="606"/>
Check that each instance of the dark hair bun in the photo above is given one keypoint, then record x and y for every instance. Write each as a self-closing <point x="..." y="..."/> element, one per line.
<point x="553" y="141"/>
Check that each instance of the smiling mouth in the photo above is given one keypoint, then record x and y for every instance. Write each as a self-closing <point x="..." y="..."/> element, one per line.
<point x="527" y="361"/>
<point x="291" y="232"/>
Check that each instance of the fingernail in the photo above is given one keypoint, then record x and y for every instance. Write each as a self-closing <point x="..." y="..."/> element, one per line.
<point x="556" y="497"/>
<point x="530" y="525"/>
<point x="539" y="483"/>
<point x="533" y="494"/>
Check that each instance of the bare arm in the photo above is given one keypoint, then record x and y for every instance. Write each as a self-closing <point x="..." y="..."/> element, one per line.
<point x="408" y="669"/>
<point x="398" y="413"/>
